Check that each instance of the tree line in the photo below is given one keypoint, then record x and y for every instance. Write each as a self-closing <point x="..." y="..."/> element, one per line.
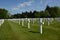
<point x="49" y="12"/>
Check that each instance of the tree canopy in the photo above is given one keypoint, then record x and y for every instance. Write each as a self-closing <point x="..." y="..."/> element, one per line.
<point x="49" y="12"/>
<point x="3" y="13"/>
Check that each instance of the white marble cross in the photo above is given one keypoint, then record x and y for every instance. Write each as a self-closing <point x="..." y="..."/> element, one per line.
<point x="26" y="20"/>
<point x="22" y="22"/>
<point x="28" y="23"/>
<point x="1" y="21"/>
<point x="33" y="21"/>
<point x="19" y="21"/>
<point x="40" y="23"/>
<point x="48" y="21"/>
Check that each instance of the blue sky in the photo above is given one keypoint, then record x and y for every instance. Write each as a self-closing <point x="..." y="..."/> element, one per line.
<point x="19" y="6"/>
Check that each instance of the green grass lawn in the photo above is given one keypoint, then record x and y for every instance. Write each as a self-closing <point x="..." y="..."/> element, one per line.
<point x="13" y="31"/>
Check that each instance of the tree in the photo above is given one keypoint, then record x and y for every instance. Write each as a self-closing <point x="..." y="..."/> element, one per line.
<point x="3" y="13"/>
<point x="37" y="14"/>
<point x="57" y="11"/>
<point x="53" y="11"/>
<point x="46" y="14"/>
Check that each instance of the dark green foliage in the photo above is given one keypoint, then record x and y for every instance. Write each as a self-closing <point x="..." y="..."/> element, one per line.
<point x="3" y="13"/>
<point x="49" y="12"/>
<point x="53" y="11"/>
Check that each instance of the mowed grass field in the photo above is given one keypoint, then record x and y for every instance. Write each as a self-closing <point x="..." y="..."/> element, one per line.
<point x="14" y="31"/>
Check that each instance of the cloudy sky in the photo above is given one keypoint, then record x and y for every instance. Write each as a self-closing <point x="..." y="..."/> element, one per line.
<point x="15" y="6"/>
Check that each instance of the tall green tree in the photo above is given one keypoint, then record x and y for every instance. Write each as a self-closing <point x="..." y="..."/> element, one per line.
<point x="53" y="11"/>
<point x="46" y="14"/>
<point x="3" y="13"/>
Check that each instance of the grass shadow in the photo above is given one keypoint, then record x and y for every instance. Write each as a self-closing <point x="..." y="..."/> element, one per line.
<point x="33" y="31"/>
<point x="24" y="27"/>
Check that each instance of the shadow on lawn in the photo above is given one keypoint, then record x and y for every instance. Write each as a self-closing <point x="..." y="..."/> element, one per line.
<point x="33" y="31"/>
<point x="24" y="27"/>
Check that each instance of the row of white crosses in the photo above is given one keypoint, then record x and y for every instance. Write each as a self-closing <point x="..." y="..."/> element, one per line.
<point x="27" y="20"/>
<point x="58" y="19"/>
<point x="16" y="20"/>
<point x="40" y="22"/>
<point x="1" y="21"/>
<point x="49" y="20"/>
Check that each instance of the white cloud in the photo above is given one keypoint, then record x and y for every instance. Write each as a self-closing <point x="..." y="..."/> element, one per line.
<point x="15" y="8"/>
<point x="24" y="4"/>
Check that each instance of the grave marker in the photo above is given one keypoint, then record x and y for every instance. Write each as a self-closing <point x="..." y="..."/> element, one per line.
<point x="33" y="20"/>
<point x="40" y="23"/>
<point x="19" y="21"/>
<point x="28" y="23"/>
<point x="1" y="21"/>
<point x="48" y="21"/>
<point x="22" y="22"/>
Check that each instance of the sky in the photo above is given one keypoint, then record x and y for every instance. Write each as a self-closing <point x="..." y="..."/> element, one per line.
<point x="19" y="6"/>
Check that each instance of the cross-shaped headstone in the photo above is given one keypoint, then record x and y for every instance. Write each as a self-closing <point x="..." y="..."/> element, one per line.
<point x="19" y="21"/>
<point x="40" y="23"/>
<point x="22" y="22"/>
<point x="1" y="21"/>
<point x="28" y="23"/>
